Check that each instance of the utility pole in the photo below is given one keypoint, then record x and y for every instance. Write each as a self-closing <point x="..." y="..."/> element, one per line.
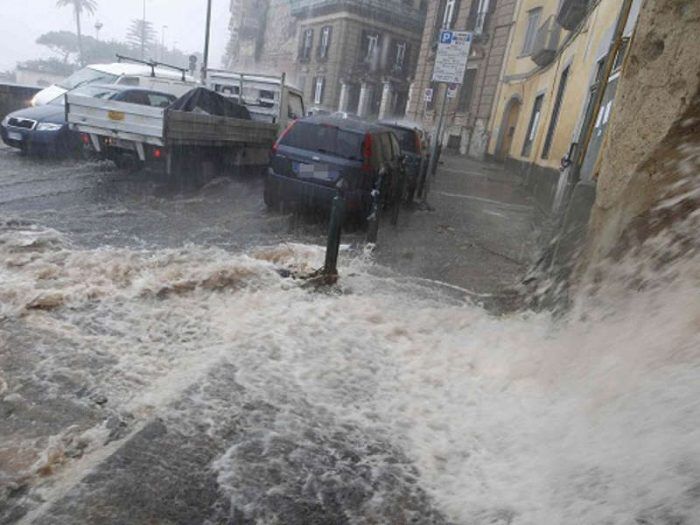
<point x="162" y="43"/>
<point x="205" y="63"/>
<point x="143" y="32"/>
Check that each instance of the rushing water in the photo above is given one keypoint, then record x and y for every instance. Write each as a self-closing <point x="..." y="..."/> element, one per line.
<point x="386" y="400"/>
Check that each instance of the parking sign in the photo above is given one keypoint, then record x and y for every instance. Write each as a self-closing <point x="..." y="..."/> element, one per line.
<point x="452" y="56"/>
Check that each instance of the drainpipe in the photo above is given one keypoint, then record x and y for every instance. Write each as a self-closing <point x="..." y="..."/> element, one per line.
<point x="605" y="77"/>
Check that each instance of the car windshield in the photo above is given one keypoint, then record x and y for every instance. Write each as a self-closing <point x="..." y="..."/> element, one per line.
<point x="323" y="138"/>
<point x="87" y="76"/>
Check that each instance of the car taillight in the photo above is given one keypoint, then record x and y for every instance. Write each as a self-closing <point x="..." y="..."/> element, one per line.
<point x="157" y="153"/>
<point x="367" y="153"/>
<point x="85" y="138"/>
<point x="284" y="134"/>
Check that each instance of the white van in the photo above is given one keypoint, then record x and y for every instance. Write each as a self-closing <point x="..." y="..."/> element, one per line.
<point x="154" y="77"/>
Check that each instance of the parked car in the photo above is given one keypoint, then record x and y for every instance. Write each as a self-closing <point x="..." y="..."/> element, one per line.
<point x="318" y="156"/>
<point x="134" y="73"/>
<point x="43" y="129"/>
<point x="414" y="145"/>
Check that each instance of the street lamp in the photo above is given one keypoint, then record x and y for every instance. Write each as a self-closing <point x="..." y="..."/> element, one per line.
<point x="98" y="25"/>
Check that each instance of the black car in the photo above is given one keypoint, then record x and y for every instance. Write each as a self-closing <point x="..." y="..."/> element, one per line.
<point x="412" y="140"/>
<point x="44" y="129"/>
<point x="318" y="156"/>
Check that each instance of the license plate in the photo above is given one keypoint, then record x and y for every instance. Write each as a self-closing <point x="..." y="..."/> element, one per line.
<point x="14" y="136"/>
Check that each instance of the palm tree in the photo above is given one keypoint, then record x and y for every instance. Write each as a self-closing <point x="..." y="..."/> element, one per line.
<point x="89" y="6"/>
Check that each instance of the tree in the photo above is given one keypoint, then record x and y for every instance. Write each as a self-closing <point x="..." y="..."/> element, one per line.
<point x="64" y="43"/>
<point x="89" y="6"/>
<point x="141" y="35"/>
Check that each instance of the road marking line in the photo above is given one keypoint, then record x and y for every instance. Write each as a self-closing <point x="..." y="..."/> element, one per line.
<point x="486" y="201"/>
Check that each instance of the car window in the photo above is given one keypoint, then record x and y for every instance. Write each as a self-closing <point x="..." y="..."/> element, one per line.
<point x="296" y="106"/>
<point x="407" y="139"/>
<point x="395" y="145"/>
<point x="134" y="97"/>
<point x="129" y="81"/>
<point x="385" y="147"/>
<point x="325" y="139"/>
<point x="160" y="100"/>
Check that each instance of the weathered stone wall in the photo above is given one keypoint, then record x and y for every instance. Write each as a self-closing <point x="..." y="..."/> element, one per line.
<point x="656" y="118"/>
<point x="14" y="97"/>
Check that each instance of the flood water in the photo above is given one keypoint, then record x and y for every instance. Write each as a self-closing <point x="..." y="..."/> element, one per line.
<point x="200" y="385"/>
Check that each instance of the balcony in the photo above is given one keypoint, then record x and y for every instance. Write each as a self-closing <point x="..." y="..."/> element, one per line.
<point x="546" y="45"/>
<point x="393" y="12"/>
<point x="571" y="13"/>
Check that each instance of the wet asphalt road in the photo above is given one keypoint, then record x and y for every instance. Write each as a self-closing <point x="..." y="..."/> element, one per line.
<point x="480" y="234"/>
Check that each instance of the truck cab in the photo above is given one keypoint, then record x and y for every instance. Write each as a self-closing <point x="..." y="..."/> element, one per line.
<point x="265" y="96"/>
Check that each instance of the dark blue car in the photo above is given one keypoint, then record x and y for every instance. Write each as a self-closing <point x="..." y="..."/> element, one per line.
<point x="318" y="156"/>
<point x="43" y="129"/>
<point x="39" y="129"/>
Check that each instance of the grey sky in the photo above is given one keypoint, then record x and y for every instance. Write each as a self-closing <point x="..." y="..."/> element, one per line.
<point x="23" y="21"/>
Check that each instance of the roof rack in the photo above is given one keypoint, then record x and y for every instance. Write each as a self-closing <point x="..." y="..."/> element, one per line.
<point x="153" y="65"/>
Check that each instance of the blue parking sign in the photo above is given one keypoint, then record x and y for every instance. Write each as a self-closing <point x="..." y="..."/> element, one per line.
<point x="446" y="37"/>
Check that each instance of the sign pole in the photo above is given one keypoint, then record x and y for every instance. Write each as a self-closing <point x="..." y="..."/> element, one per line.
<point x="451" y="60"/>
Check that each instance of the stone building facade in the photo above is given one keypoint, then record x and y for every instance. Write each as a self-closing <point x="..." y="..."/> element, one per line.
<point x="468" y="113"/>
<point x="358" y="56"/>
<point x="263" y="37"/>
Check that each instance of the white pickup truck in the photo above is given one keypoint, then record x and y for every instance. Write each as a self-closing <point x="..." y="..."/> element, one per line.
<point x="174" y="139"/>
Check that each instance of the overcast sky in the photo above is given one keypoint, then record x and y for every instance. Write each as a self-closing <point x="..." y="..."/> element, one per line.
<point x="23" y="21"/>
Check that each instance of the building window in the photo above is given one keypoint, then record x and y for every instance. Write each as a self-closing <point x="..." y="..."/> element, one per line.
<point x="449" y="14"/>
<point x="481" y="11"/>
<point x="307" y="43"/>
<point x="370" y="44"/>
<point x="466" y="91"/>
<point x="533" y="24"/>
<point x="319" y="87"/>
<point x="325" y="44"/>
<point x="400" y="57"/>
<point x="555" y="114"/>
<point x="532" y="127"/>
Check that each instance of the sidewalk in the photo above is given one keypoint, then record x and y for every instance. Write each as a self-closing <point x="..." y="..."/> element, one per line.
<point x="480" y="234"/>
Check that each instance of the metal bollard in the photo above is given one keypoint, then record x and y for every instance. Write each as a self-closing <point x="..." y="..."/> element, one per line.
<point x="334" y="232"/>
<point x="373" y="219"/>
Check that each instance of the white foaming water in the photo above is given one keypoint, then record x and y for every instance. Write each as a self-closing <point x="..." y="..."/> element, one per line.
<point x="524" y="419"/>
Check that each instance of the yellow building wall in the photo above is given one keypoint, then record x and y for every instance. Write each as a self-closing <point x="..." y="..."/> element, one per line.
<point x="580" y="51"/>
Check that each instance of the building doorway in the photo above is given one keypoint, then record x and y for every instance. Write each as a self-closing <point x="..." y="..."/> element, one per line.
<point x="507" y="132"/>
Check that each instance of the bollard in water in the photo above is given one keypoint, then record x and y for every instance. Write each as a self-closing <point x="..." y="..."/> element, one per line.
<point x="334" y="231"/>
<point x="373" y="219"/>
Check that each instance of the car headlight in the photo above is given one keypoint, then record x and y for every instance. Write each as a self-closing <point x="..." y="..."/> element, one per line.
<point x="5" y="121"/>
<point x="48" y="126"/>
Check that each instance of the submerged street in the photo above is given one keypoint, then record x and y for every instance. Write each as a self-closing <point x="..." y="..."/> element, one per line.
<point x="144" y="359"/>
<point x="159" y="366"/>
